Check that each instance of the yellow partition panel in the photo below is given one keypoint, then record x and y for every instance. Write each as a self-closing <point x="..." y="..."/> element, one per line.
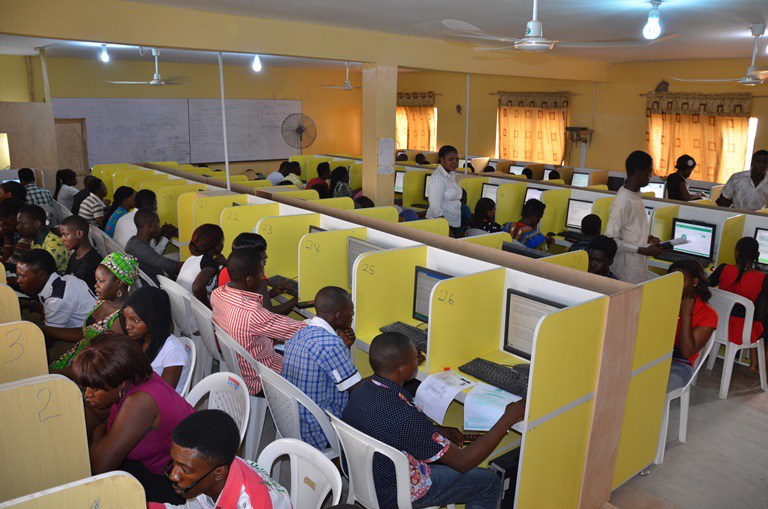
<point x="708" y="203"/>
<point x="578" y="260"/>
<point x="601" y="208"/>
<point x="474" y="189"/>
<point x="22" y="351"/>
<point x="207" y="209"/>
<point x="304" y="194"/>
<point x="103" y="170"/>
<point x="312" y="167"/>
<point x="555" y="181"/>
<point x="9" y="310"/>
<point x="244" y="218"/>
<point x="323" y="261"/>
<point x="509" y="202"/>
<point x="120" y="178"/>
<point x="156" y="185"/>
<point x="235" y="179"/>
<point x="356" y="176"/>
<point x="438" y="225"/>
<point x="413" y="187"/>
<point x="603" y="187"/>
<point x="386" y="213"/>
<point x="733" y="227"/>
<point x="302" y="160"/>
<point x="648" y="194"/>
<point x="135" y="181"/>
<point x="556" y="201"/>
<point x="494" y="240"/>
<point x="344" y="203"/>
<point x="167" y="202"/>
<point x="113" y="489"/>
<point x="715" y="193"/>
<point x="256" y="184"/>
<point x="283" y="234"/>
<point x="662" y="221"/>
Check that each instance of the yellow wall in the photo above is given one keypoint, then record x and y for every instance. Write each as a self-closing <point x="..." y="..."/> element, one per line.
<point x="13" y="79"/>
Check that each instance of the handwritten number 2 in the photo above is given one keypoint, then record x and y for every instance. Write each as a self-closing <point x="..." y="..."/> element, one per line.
<point x="46" y="395"/>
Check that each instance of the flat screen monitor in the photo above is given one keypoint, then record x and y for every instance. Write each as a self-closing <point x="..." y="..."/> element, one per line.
<point x="315" y="229"/>
<point x="426" y="187"/>
<point x="523" y="314"/>
<point x="399" y="179"/>
<point x="355" y="248"/>
<point x="577" y="209"/>
<point x="700" y="236"/>
<point x="615" y="183"/>
<point x="491" y="191"/>
<point x="516" y="170"/>
<point x="649" y="211"/>
<point x="580" y="179"/>
<point x="10" y="180"/>
<point x="424" y="281"/>
<point x="657" y="188"/>
<point x="761" y="235"/>
<point x="533" y="193"/>
<point x="519" y="249"/>
<point x="546" y="174"/>
<point x="706" y="192"/>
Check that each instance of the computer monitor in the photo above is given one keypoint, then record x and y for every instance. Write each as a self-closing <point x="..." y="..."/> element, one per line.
<point x="355" y="248"/>
<point x="546" y="174"/>
<point x="577" y="209"/>
<point x="516" y="170"/>
<point x="656" y="187"/>
<point x="425" y="279"/>
<point x="519" y="249"/>
<point x="10" y="180"/>
<point x="532" y="193"/>
<point x="649" y="211"/>
<point x="700" y="236"/>
<point x="523" y="314"/>
<point x="580" y="179"/>
<point x="615" y="183"/>
<point x="491" y="191"/>
<point x="761" y="235"/>
<point x="426" y="186"/>
<point x="399" y="179"/>
<point x="706" y="192"/>
<point x="315" y="229"/>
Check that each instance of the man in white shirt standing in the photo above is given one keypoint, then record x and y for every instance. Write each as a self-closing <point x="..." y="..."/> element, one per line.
<point x="747" y="190"/>
<point x="125" y="228"/>
<point x="628" y="222"/>
<point x="444" y="192"/>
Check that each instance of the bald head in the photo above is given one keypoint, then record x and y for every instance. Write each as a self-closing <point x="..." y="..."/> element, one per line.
<point x="334" y="305"/>
<point x="389" y="352"/>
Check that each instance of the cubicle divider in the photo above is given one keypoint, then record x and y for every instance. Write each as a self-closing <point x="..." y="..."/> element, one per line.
<point x="509" y="202"/>
<point x="283" y="234"/>
<point x="661" y="226"/>
<point x="303" y="194"/>
<point x="343" y="203"/>
<point x="135" y="181"/>
<point x="386" y="213"/>
<point x="156" y="185"/>
<point x="323" y="260"/>
<point x="119" y="178"/>
<point x="22" y="351"/>
<point x="9" y="310"/>
<point x="254" y="184"/>
<point x="492" y="240"/>
<point x="556" y="201"/>
<point x="356" y="176"/>
<point x="113" y="489"/>
<point x="414" y="182"/>
<point x="244" y="218"/>
<point x="731" y="232"/>
<point x="311" y="167"/>
<point x="438" y="225"/>
<point x="168" y="198"/>
<point x="474" y="188"/>
<point x="601" y="208"/>
<point x="578" y="260"/>
<point x="302" y="160"/>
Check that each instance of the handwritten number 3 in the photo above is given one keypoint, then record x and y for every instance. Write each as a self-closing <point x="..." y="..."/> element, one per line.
<point x="47" y="398"/>
<point x="15" y="344"/>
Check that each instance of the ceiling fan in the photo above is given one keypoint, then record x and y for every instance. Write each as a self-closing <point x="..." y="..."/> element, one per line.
<point x="755" y="75"/>
<point x="534" y="40"/>
<point x="157" y="80"/>
<point x="347" y="85"/>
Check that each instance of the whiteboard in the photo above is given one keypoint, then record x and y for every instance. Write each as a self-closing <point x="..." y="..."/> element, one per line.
<point x="131" y="130"/>
<point x="253" y="129"/>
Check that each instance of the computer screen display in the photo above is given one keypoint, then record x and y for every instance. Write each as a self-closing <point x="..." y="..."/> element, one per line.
<point x="761" y="235"/>
<point x="399" y="178"/>
<point x="533" y="193"/>
<point x="426" y="186"/>
<point x="615" y="183"/>
<point x="491" y="191"/>
<point x="523" y="314"/>
<point x="580" y="179"/>
<point x="355" y="248"/>
<point x="649" y="211"/>
<point x="425" y="280"/>
<point x="546" y="174"/>
<point x="700" y="236"/>
<point x="315" y="229"/>
<point x="577" y="209"/>
<point x="516" y="170"/>
<point x="10" y="180"/>
<point x="656" y="187"/>
<point x="706" y="192"/>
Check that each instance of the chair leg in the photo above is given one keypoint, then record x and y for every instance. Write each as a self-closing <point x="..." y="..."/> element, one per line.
<point x="730" y="358"/>
<point x="255" y="427"/>
<point x="761" y="362"/>
<point x="713" y="356"/>
<point x="662" y="435"/>
<point x="685" y="401"/>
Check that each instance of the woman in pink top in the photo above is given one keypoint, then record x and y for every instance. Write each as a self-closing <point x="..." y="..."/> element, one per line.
<point x="131" y="412"/>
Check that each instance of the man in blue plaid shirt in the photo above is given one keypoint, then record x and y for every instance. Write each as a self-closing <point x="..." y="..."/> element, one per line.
<point x="35" y="195"/>
<point x="317" y="360"/>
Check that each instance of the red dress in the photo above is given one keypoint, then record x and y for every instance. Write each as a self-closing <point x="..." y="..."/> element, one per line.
<point x="749" y="286"/>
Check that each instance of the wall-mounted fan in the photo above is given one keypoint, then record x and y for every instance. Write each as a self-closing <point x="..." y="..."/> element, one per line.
<point x="299" y="131"/>
<point x="755" y="75"/>
<point x="347" y="85"/>
<point x="157" y="80"/>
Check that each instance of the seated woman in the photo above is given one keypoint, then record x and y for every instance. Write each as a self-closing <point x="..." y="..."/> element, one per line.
<point x="744" y="279"/>
<point x="122" y="202"/>
<point x="142" y="413"/>
<point x="146" y="318"/>
<point x="90" y="206"/>
<point x="485" y="216"/>
<point x="340" y="183"/>
<point x="697" y="322"/>
<point x="114" y="277"/>
<point x="199" y="271"/>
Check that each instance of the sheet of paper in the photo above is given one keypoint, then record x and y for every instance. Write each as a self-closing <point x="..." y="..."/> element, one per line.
<point x="484" y="406"/>
<point x="679" y="241"/>
<point x="436" y="393"/>
<point x="386" y="164"/>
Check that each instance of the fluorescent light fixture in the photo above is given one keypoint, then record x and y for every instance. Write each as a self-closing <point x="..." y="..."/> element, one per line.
<point x="256" y="64"/>
<point x="104" y="55"/>
<point x="652" y="29"/>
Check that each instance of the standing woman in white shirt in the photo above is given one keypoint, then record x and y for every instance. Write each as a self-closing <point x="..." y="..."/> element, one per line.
<point x="444" y="192"/>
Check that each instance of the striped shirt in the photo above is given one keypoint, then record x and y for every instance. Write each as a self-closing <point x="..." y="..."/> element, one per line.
<point x="38" y="195"/>
<point x="91" y="208"/>
<point x="242" y="316"/>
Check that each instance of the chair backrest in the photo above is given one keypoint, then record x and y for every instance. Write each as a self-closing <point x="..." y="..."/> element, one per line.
<point x="723" y="302"/>
<point x="145" y="279"/>
<point x="43" y="443"/>
<point x="22" y="352"/>
<point x="191" y="349"/>
<point x="181" y="307"/>
<point x="204" y="320"/>
<point x="359" y="450"/>
<point x="62" y="212"/>
<point x="3" y="279"/>
<point x="111" y="245"/>
<point x="230" y="350"/>
<point x="284" y="399"/>
<point x="97" y="238"/>
<point x="226" y="392"/>
<point x="313" y="475"/>
<point x="113" y="489"/>
<point x="9" y="305"/>
<point x="474" y="232"/>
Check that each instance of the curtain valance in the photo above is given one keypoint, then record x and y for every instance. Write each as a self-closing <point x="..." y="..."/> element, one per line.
<point x="716" y="105"/>
<point x="416" y="99"/>
<point x="543" y="100"/>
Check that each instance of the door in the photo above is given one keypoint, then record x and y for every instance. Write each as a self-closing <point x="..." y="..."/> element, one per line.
<point x="72" y="144"/>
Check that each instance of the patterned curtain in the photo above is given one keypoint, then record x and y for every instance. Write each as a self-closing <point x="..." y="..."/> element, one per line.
<point x="416" y="122"/>
<point x="416" y="99"/>
<point x="531" y="126"/>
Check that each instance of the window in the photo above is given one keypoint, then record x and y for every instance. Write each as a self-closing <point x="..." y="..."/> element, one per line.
<point x="416" y="128"/>
<point x="531" y="134"/>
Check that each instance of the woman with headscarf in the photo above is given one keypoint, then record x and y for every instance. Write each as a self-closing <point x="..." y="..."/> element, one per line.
<point x="114" y="277"/>
<point x="146" y="318"/>
<point x="199" y="273"/>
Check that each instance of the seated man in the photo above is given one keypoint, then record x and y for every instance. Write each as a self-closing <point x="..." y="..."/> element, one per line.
<point x="84" y="259"/>
<point x="125" y="228"/>
<point x="294" y="175"/>
<point x="206" y="471"/>
<point x="238" y="309"/>
<point x="35" y="195"/>
<point x="30" y="224"/>
<point x="590" y="228"/>
<point x="317" y="360"/>
<point x="150" y="261"/>
<point x="323" y="176"/>
<point x="525" y="231"/>
<point x="13" y="243"/>
<point x="441" y="473"/>
<point x="278" y="176"/>
<point x="602" y="251"/>
<point x="65" y="301"/>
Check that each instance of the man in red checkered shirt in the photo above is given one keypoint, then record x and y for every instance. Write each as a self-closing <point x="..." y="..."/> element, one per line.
<point x="238" y="309"/>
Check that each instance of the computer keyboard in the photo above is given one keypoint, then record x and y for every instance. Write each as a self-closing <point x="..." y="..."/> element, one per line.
<point x="513" y="380"/>
<point x="571" y="236"/>
<point x="292" y="287"/>
<point x="674" y="256"/>
<point x="418" y="336"/>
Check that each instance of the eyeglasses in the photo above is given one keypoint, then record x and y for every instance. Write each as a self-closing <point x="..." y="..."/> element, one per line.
<point x="167" y="469"/>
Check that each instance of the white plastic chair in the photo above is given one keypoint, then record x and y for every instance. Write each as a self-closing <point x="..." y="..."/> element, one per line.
<point x="725" y="302"/>
<point x="191" y="349"/>
<point x="184" y="320"/>
<point x="226" y="392"/>
<point x="359" y="450"/>
<point x="98" y="241"/>
<point x="143" y="277"/>
<point x="62" y="212"/>
<point x="112" y="246"/>
<point x="204" y="321"/>
<point x="231" y="349"/>
<point x="474" y="232"/>
<point x="284" y="399"/>
<point x="313" y="475"/>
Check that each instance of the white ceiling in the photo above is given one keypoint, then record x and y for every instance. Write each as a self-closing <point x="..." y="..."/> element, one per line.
<point x="707" y="28"/>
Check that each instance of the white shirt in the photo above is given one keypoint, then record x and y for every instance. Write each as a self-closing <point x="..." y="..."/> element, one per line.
<point x="125" y="228"/>
<point x="444" y="197"/>
<point x="67" y="196"/>
<point x="275" y="178"/>
<point x="171" y="354"/>
<point x="628" y="226"/>
<point x="66" y="301"/>
<point x="742" y="191"/>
